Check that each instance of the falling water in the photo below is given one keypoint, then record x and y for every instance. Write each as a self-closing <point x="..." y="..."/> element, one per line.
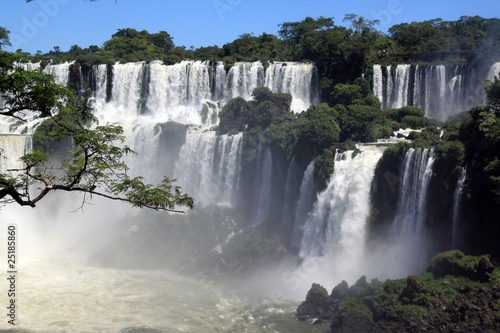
<point x="416" y="173"/>
<point x="378" y="83"/>
<point x="494" y="71"/>
<point x="262" y="188"/>
<point x="60" y="72"/>
<point x="401" y="86"/>
<point x="12" y="147"/>
<point x="209" y="167"/>
<point x="457" y="198"/>
<point x="335" y="228"/>
<point x="441" y="91"/>
<point x="307" y="196"/>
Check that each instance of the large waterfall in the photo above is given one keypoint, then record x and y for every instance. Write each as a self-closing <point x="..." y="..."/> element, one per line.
<point x="326" y="229"/>
<point x="335" y="228"/>
<point x="440" y="90"/>
<point x="190" y="92"/>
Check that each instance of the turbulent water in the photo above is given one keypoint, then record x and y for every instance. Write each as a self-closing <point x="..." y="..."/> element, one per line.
<point x="59" y="292"/>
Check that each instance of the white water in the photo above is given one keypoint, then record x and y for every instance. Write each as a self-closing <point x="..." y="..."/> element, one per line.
<point x="208" y="167"/>
<point x="12" y="147"/>
<point x="406" y="250"/>
<point x="335" y="229"/>
<point x="60" y="72"/>
<point x="441" y="91"/>
<point x="57" y="291"/>
<point x="401" y="85"/>
<point x="306" y="199"/>
<point x="417" y="171"/>
<point x="457" y="198"/>
<point x="494" y="71"/>
<point x="378" y="83"/>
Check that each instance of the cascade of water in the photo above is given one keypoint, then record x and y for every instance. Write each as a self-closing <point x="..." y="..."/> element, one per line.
<point x="177" y="91"/>
<point x="417" y="88"/>
<point x="304" y="204"/>
<point x="28" y="66"/>
<point x="101" y="83"/>
<point x="401" y="84"/>
<point x="209" y="167"/>
<point x="243" y="78"/>
<point x="440" y="90"/>
<point x="378" y="83"/>
<point x="227" y="171"/>
<point x="262" y="188"/>
<point x="220" y="82"/>
<point x="286" y="77"/>
<point x="126" y="89"/>
<point x="287" y="212"/>
<point x="390" y="87"/>
<point x="336" y="225"/>
<point x="494" y="71"/>
<point x="457" y="198"/>
<point x="60" y="72"/>
<point x="12" y="147"/>
<point x="416" y="173"/>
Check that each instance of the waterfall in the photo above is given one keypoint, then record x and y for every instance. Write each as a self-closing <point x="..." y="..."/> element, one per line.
<point x="441" y="91"/>
<point x="457" y="198"/>
<point x="296" y="79"/>
<point x="193" y="92"/>
<point x="390" y="87"/>
<point x="243" y="78"/>
<point x="12" y="147"/>
<point x="208" y="167"/>
<point x="378" y="83"/>
<point x="336" y="225"/>
<point x="262" y="190"/>
<point x="290" y="185"/>
<point x="401" y="86"/>
<point x="416" y="174"/>
<point x="60" y="72"/>
<point x="101" y="83"/>
<point x="494" y="71"/>
<point x="305" y="202"/>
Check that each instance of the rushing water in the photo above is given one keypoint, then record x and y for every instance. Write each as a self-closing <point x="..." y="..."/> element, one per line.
<point x="59" y="292"/>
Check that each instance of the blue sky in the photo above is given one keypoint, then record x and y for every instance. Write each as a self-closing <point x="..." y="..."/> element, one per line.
<point x="43" y="24"/>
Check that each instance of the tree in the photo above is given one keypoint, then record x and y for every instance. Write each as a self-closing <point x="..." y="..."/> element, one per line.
<point x="94" y="166"/>
<point x="492" y="90"/>
<point x="4" y="37"/>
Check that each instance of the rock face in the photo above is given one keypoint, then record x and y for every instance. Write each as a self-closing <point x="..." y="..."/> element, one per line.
<point x="234" y="115"/>
<point x="457" y="293"/>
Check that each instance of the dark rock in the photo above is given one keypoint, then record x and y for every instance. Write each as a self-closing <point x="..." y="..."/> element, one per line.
<point x="316" y="305"/>
<point x="484" y="269"/>
<point x="413" y="288"/>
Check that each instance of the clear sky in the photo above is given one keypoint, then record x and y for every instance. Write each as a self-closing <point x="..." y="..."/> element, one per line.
<point x="43" y="24"/>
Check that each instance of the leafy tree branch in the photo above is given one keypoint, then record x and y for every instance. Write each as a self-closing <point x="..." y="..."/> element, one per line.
<point x="95" y="165"/>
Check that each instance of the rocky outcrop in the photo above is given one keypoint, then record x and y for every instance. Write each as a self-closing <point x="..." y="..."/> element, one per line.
<point x="457" y="293"/>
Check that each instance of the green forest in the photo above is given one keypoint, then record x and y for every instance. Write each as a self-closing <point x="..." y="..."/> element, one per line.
<point x="341" y="52"/>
